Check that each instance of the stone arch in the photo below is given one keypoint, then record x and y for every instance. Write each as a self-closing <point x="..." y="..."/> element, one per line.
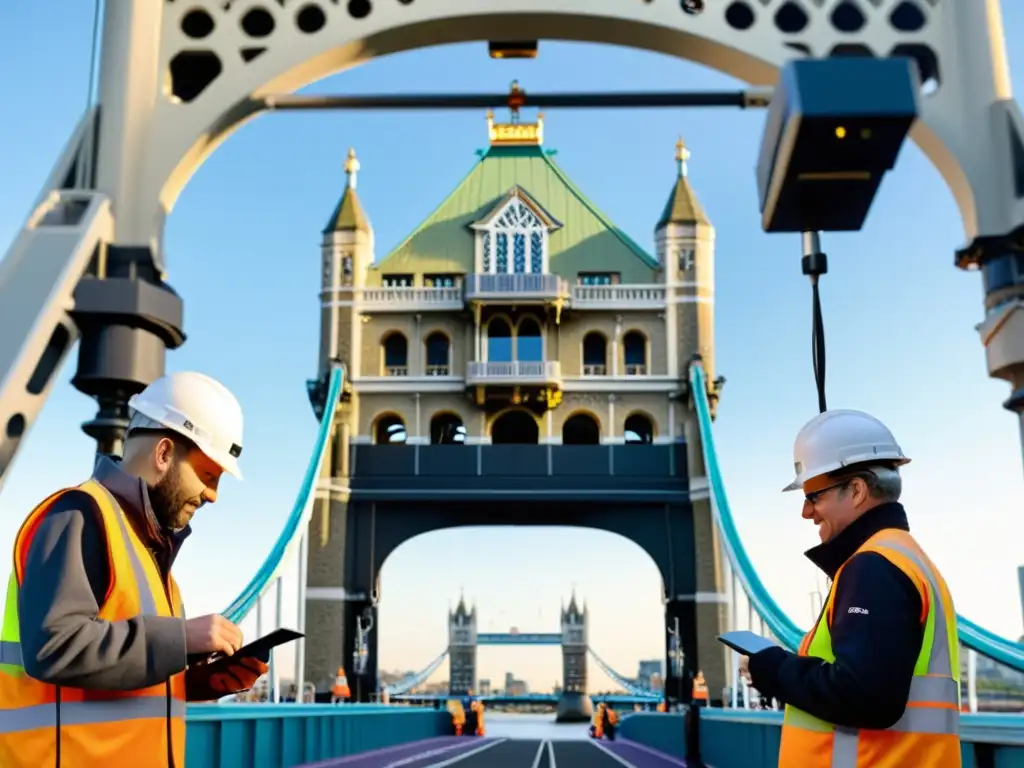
<point x="636" y="352"/>
<point x="437" y="361"/>
<point x="642" y="425"/>
<point x="533" y="350"/>
<point x="581" y="427"/>
<point x="296" y="53"/>
<point x="514" y="426"/>
<point x="394" y="357"/>
<point x="594" y="354"/>
<point x="507" y="328"/>
<point x="447" y="428"/>
<point x="389" y="428"/>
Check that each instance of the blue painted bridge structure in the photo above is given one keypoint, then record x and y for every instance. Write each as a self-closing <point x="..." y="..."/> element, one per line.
<point x="519" y="638"/>
<point x="287" y="735"/>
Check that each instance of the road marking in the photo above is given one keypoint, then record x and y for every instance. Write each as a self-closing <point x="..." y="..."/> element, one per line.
<point x="551" y="755"/>
<point x="612" y="755"/>
<point x="424" y="755"/>
<point x="466" y="755"/>
<point x="540" y="754"/>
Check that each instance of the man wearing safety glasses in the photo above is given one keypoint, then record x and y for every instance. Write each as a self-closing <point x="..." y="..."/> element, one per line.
<point x="876" y="681"/>
<point x="95" y="647"/>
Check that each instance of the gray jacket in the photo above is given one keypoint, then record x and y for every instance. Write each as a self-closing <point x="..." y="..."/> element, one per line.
<point x="65" y="580"/>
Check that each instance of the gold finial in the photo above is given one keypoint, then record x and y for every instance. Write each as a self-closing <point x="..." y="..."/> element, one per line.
<point x="351" y="167"/>
<point x="515" y="133"/>
<point x="682" y="155"/>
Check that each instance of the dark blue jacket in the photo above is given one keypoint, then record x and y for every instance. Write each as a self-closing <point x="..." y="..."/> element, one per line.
<point x="876" y="647"/>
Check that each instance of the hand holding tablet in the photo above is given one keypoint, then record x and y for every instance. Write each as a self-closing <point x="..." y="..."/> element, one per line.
<point x="745" y="642"/>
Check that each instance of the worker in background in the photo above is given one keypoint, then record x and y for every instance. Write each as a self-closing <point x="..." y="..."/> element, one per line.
<point x="458" y="716"/>
<point x="597" y="721"/>
<point x="876" y="682"/>
<point x="663" y="705"/>
<point x="478" y="711"/>
<point x="94" y="642"/>
<point x="340" y="691"/>
<point x="610" y="720"/>
<point x="700" y="690"/>
<point x="470" y="711"/>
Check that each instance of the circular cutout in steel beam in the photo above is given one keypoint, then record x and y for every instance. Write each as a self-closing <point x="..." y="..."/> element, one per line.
<point x="907" y="17"/>
<point x="791" y="18"/>
<point x="197" y="24"/>
<point x="258" y="22"/>
<point x="847" y="17"/>
<point x="359" y="9"/>
<point x="739" y="15"/>
<point x="310" y="19"/>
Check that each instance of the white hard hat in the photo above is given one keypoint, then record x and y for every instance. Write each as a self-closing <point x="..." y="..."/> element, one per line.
<point x="836" y="439"/>
<point x="199" y="408"/>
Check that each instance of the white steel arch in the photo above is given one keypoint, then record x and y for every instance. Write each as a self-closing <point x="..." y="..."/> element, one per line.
<point x="160" y="141"/>
<point x="148" y="141"/>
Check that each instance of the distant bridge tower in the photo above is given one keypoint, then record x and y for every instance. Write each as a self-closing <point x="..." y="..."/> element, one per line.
<point x="574" y="703"/>
<point x="462" y="649"/>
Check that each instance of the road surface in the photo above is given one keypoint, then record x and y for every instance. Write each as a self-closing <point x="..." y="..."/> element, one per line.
<point x="512" y="741"/>
<point x="508" y="753"/>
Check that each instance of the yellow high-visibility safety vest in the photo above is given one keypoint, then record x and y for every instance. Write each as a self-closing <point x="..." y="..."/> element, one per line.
<point x="43" y="725"/>
<point x="928" y="732"/>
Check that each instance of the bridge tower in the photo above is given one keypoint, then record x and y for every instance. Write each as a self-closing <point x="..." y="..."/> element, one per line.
<point x="341" y="575"/>
<point x="685" y="243"/>
<point x="574" y="704"/>
<point x="462" y="649"/>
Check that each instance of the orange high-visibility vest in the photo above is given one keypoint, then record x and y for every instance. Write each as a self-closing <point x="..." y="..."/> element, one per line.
<point x="43" y="725"/>
<point x="928" y="732"/>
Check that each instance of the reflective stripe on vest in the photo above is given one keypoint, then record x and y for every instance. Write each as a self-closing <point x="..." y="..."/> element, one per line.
<point x="932" y="710"/>
<point x="149" y="722"/>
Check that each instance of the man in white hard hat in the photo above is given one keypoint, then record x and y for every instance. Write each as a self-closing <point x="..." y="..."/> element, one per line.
<point x="94" y="655"/>
<point x="876" y="681"/>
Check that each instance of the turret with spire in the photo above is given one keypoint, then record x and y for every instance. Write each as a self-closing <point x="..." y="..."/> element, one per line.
<point x="347" y="252"/>
<point x="682" y="206"/>
<point x="685" y="243"/>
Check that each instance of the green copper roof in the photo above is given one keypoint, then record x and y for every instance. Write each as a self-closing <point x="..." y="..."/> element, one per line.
<point x="587" y="241"/>
<point x="682" y="206"/>
<point x="348" y="214"/>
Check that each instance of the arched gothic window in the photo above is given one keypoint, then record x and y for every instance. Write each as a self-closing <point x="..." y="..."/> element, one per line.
<point x="515" y="242"/>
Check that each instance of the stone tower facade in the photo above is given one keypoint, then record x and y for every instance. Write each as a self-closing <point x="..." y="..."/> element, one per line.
<point x="462" y="649"/>
<point x="516" y="314"/>
<point x="338" y="590"/>
<point x="685" y="243"/>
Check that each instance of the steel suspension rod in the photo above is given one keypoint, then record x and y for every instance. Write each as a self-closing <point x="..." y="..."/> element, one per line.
<point x="655" y="99"/>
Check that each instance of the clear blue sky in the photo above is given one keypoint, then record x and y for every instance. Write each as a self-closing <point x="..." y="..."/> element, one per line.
<point x="243" y="248"/>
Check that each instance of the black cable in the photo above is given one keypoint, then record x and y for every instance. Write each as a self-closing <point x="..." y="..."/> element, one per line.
<point x="818" y="344"/>
<point x="815" y="264"/>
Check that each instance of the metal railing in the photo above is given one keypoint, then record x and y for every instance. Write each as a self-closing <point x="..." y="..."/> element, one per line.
<point x="404" y="299"/>
<point x="482" y="286"/>
<point x="618" y="296"/>
<point x="517" y="372"/>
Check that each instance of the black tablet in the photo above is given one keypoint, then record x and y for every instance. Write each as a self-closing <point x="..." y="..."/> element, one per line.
<point x="257" y="649"/>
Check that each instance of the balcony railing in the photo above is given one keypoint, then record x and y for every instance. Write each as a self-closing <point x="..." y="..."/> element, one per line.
<point x="541" y="287"/>
<point x="545" y="372"/>
<point x="410" y="299"/>
<point x="618" y="296"/>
